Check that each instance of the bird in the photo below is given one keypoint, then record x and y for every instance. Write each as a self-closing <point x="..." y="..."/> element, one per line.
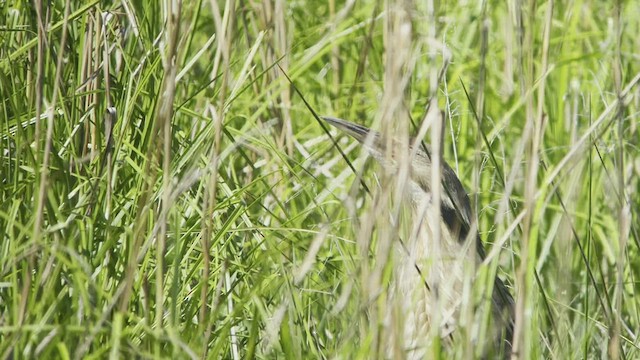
<point x="418" y="280"/>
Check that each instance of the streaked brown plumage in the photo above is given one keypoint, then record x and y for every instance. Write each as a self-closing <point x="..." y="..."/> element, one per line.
<point x="448" y="270"/>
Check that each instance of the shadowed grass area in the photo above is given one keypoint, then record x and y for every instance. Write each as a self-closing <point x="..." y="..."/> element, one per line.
<point x="166" y="193"/>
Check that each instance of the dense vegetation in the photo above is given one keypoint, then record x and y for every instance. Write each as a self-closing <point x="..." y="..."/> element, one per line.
<point x="166" y="193"/>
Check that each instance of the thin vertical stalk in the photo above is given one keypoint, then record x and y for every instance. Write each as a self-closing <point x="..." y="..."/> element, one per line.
<point x="164" y="118"/>
<point x="224" y="24"/>
<point x="615" y="349"/>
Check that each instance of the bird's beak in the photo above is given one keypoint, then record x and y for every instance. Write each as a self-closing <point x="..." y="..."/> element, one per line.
<point x="358" y="132"/>
<point x="370" y="139"/>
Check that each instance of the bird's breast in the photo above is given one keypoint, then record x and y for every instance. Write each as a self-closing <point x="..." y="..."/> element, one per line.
<point x="429" y="271"/>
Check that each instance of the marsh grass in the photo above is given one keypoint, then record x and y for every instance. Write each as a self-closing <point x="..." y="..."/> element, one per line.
<point x="165" y="193"/>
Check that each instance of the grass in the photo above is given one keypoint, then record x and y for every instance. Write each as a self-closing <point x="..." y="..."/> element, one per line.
<point x="165" y="193"/>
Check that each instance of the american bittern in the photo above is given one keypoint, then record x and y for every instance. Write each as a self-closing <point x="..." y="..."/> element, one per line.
<point x="447" y="272"/>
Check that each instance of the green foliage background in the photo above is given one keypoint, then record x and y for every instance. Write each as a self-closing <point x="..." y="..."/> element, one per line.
<point x="165" y="193"/>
